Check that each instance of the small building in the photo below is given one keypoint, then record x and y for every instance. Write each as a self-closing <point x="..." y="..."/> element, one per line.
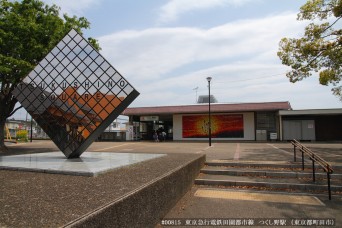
<point x="311" y="125"/>
<point x="242" y="121"/>
<point x="114" y="132"/>
<point x="13" y="126"/>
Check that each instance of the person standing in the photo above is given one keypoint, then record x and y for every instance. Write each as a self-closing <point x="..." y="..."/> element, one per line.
<point x="155" y="137"/>
<point x="164" y="135"/>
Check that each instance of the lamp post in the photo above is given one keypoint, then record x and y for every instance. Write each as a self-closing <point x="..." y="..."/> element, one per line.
<point x="31" y="128"/>
<point x="209" y="79"/>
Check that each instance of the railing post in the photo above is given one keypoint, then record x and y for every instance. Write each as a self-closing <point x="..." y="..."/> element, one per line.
<point x="294" y="153"/>
<point x="302" y="159"/>
<point x="314" y="158"/>
<point x="329" y="190"/>
<point x="313" y="168"/>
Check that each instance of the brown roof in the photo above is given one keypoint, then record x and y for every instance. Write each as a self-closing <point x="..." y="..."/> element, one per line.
<point x="202" y="108"/>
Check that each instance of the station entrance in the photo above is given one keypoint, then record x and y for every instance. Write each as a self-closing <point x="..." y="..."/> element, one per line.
<point x="147" y="126"/>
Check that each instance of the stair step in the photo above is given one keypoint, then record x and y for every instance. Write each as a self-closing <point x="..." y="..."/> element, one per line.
<point x="214" y="170"/>
<point x="263" y="164"/>
<point x="282" y="165"/>
<point x="238" y="181"/>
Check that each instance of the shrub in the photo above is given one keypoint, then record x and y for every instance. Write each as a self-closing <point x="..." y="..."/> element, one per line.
<point x="22" y="135"/>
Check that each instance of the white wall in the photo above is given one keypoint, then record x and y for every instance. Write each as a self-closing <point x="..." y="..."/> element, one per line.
<point x="248" y="125"/>
<point x="177" y="127"/>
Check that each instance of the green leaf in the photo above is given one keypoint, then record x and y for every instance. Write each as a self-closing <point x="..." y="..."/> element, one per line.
<point x="320" y="48"/>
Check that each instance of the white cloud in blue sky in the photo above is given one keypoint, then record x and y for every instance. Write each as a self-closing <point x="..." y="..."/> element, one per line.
<point x="174" y="9"/>
<point x="157" y="52"/>
<point x="168" y="62"/>
<point x="166" y="48"/>
<point x="72" y="7"/>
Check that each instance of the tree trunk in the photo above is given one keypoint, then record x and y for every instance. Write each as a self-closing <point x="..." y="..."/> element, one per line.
<point x="7" y="104"/>
<point x="3" y="148"/>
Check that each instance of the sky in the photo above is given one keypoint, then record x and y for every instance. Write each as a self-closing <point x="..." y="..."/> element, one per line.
<point x="167" y="48"/>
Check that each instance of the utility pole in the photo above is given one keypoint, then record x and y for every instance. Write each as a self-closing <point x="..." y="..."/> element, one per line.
<point x="196" y="89"/>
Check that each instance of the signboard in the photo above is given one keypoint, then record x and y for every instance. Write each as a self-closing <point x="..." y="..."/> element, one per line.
<point x="273" y="136"/>
<point x="74" y="94"/>
<point x="149" y="118"/>
<point x="222" y="126"/>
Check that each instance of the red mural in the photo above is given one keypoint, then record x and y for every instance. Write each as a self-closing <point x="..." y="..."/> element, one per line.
<point x="222" y="126"/>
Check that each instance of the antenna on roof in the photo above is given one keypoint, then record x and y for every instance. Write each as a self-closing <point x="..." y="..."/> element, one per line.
<point x="196" y="93"/>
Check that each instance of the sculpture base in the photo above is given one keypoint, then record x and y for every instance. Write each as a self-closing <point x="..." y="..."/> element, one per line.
<point x="89" y="164"/>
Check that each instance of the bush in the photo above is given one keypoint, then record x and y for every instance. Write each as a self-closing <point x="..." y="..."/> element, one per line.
<point x="22" y="135"/>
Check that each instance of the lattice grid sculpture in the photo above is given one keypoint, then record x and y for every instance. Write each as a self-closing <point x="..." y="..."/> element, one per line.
<point x="74" y="94"/>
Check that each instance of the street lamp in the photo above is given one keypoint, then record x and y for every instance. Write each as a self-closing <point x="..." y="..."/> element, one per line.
<point x="209" y="79"/>
<point x="31" y="128"/>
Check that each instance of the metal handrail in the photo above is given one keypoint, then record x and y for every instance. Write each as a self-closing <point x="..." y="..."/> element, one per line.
<point x="314" y="158"/>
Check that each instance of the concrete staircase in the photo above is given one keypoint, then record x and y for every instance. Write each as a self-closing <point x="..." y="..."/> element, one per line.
<point x="270" y="176"/>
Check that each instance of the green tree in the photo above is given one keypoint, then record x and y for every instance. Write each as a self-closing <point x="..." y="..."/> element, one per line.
<point x="29" y="29"/>
<point x="320" y="48"/>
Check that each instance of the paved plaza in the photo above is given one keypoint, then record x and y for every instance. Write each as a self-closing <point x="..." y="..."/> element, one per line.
<point x="199" y="204"/>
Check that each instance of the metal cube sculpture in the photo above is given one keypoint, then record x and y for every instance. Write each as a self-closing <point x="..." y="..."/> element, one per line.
<point x="74" y="94"/>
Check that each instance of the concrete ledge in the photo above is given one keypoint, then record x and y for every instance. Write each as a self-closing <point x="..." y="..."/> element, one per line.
<point x="146" y="205"/>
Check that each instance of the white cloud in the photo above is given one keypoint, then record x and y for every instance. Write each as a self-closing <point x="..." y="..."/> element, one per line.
<point x="154" y="53"/>
<point x="72" y="7"/>
<point x="165" y="64"/>
<point x="175" y="8"/>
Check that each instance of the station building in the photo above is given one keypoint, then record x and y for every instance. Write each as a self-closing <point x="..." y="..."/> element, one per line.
<point x="240" y="121"/>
